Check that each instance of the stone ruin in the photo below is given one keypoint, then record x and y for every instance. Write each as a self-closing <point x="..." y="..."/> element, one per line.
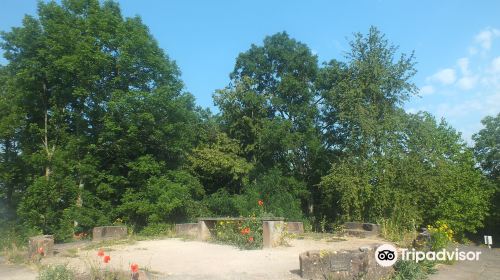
<point x="343" y="265"/>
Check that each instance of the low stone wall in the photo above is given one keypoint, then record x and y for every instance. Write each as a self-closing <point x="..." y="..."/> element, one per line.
<point x="342" y="265"/>
<point x="41" y="245"/>
<point x="187" y="230"/>
<point x="361" y="229"/>
<point x="295" y="227"/>
<point x="109" y="232"/>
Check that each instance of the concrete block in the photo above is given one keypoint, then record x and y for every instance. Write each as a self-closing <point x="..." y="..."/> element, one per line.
<point x="109" y="232"/>
<point x="187" y="230"/>
<point x="272" y="233"/>
<point x="295" y="227"/>
<point x="40" y="246"/>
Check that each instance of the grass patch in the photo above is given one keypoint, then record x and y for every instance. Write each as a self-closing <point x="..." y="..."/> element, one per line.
<point x="410" y="270"/>
<point x="15" y="255"/>
<point x="57" y="272"/>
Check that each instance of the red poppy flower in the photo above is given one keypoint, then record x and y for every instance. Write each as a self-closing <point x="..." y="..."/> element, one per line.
<point x="41" y="251"/>
<point x="245" y="231"/>
<point x="250" y="239"/>
<point x="261" y="203"/>
<point x="100" y="253"/>
<point x="107" y="259"/>
<point x="134" y="267"/>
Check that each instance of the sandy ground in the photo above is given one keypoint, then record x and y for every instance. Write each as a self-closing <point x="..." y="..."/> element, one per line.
<point x="178" y="259"/>
<point x="487" y="268"/>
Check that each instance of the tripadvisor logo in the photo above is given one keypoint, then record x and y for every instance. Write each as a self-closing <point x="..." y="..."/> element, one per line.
<point x="387" y="255"/>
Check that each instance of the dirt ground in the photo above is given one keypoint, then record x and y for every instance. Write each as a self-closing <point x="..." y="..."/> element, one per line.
<point x="175" y="259"/>
<point x="178" y="259"/>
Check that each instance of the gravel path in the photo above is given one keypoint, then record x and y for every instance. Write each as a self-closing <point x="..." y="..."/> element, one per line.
<point x="487" y="268"/>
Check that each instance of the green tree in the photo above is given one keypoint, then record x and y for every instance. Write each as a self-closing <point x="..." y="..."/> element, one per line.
<point x="94" y="93"/>
<point x="487" y="152"/>
<point x="219" y="165"/>
<point x="271" y="108"/>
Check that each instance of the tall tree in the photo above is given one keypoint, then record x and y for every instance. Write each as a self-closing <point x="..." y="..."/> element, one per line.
<point x="270" y="107"/>
<point x="487" y="152"/>
<point x="95" y="92"/>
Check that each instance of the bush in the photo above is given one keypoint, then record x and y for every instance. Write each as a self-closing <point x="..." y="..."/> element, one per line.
<point x="157" y="230"/>
<point x="14" y="235"/>
<point x="410" y="270"/>
<point x="281" y="195"/>
<point x="243" y="234"/>
<point x="441" y="236"/>
<point x="58" y="272"/>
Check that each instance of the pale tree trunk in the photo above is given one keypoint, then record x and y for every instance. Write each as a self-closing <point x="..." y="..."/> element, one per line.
<point x="49" y="151"/>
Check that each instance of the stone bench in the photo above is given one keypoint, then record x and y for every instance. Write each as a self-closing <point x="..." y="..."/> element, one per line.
<point x="362" y="230"/>
<point x="109" y="232"/>
<point x="295" y="227"/>
<point x="187" y="230"/>
<point x="344" y="264"/>
<point x="272" y="229"/>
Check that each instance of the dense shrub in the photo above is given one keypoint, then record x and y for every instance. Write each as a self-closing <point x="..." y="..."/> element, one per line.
<point x="246" y="234"/>
<point x="411" y="270"/>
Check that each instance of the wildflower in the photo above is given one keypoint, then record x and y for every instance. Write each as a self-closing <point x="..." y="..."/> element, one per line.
<point x="107" y="259"/>
<point x="100" y="253"/>
<point x="250" y="239"/>
<point x="245" y="230"/>
<point x="261" y="203"/>
<point x="41" y="251"/>
<point x="134" y="268"/>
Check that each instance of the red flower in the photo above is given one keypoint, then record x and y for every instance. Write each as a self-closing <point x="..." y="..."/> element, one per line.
<point x="107" y="259"/>
<point x="134" y="267"/>
<point x="261" y="203"/>
<point x="250" y="239"/>
<point x="41" y="251"/>
<point x="100" y="253"/>
<point x="245" y="231"/>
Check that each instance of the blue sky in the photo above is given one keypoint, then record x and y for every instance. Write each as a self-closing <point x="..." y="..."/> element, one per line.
<point x="457" y="43"/>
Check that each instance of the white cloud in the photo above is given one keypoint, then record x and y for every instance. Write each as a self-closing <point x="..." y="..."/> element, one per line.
<point x="467" y="82"/>
<point x="485" y="37"/>
<point x="495" y="65"/>
<point x="445" y="76"/>
<point x="426" y="90"/>
<point x="463" y="64"/>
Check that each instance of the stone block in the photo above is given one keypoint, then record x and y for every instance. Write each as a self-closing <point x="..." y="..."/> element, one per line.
<point x="295" y="227"/>
<point x="361" y="230"/>
<point x="272" y="233"/>
<point x="204" y="230"/>
<point x="109" y="232"/>
<point x="40" y="246"/>
<point x="342" y="265"/>
<point x="187" y="230"/>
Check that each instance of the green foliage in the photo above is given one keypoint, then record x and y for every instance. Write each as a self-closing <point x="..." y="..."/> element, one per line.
<point x="157" y="230"/>
<point x="245" y="234"/>
<point x="487" y="152"/>
<point x="164" y="198"/>
<point x="280" y="194"/>
<point x="57" y="272"/>
<point x="397" y="231"/>
<point x="441" y="236"/>
<point x="219" y="165"/>
<point x="411" y="270"/>
<point x="431" y="176"/>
